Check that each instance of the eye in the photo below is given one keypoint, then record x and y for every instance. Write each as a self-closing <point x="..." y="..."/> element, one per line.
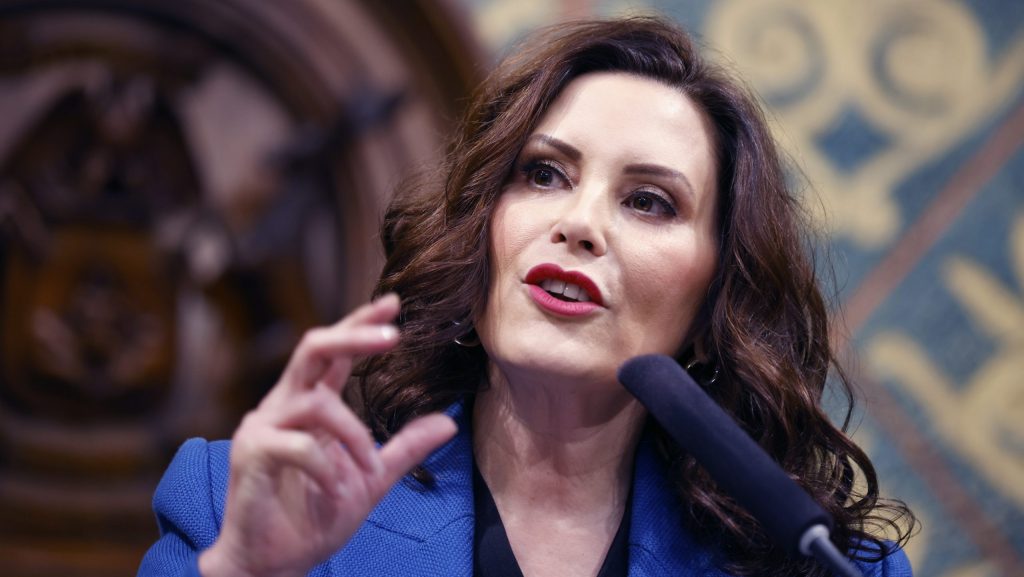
<point x="650" y="202"/>
<point x="541" y="174"/>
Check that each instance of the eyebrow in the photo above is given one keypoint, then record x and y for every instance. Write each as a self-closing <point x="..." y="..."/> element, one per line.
<point x="562" y="146"/>
<point x="644" y="169"/>
<point x="639" y="169"/>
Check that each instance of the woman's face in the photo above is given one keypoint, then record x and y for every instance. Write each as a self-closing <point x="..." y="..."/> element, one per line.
<point x="603" y="241"/>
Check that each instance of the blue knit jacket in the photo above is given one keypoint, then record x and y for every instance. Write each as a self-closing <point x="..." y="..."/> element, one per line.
<point x="416" y="532"/>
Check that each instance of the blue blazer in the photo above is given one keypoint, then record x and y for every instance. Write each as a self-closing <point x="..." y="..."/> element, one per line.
<point x="413" y="531"/>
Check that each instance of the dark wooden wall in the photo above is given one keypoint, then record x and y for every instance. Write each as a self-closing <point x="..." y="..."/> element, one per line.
<point x="184" y="188"/>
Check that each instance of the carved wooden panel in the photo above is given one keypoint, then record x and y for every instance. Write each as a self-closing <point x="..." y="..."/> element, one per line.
<point x="184" y="188"/>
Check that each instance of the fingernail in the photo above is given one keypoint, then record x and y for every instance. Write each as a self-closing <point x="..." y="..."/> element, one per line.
<point x="388" y="332"/>
<point x="340" y="491"/>
<point x="386" y="296"/>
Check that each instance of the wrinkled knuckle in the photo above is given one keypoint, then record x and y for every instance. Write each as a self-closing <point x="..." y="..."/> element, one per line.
<point x="318" y="404"/>
<point x="315" y="412"/>
<point x="300" y="405"/>
<point x="322" y="397"/>
<point x="301" y="445"/>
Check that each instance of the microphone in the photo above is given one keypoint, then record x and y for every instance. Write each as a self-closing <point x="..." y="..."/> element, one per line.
<point x="736" y="463"/>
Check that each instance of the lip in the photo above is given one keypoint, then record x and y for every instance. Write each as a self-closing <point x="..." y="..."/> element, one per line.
<point x="547" y="302"/>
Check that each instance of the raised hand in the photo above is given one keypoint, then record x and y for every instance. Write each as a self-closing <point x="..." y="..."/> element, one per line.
<point x="305" y="472"/>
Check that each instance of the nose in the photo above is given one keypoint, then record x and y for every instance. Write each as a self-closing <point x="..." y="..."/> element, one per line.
<point x="583" y="222"/>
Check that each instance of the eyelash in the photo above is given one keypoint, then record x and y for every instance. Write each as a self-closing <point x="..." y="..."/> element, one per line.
<point x="528" y="168"/>
<point x="666" y="205"/>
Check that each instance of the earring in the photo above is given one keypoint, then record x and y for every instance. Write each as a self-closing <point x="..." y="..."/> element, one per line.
<point x="469" y="339"/>
<point x="699" y="372"/>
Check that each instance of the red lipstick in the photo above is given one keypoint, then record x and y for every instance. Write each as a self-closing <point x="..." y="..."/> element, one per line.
<point x="552" y="272"/>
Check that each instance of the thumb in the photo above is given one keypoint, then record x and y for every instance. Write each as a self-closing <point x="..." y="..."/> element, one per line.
<point x="413" y="443"/>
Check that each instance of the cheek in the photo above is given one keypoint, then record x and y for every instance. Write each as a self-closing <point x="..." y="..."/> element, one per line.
<point x="509" y="235"/>
<point x="667" y="291"/>
<point x="512" y="229"/>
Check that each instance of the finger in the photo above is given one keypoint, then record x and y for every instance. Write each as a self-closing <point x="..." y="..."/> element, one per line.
<point x="382" y="310"/>
<point x="305" y="368"/>
<point x="413" y="443"/>
<point x="323" y="410"/>
<point x="300" y="450"/>
<point x="337" y="374"/>
<point x="320" y="348"/>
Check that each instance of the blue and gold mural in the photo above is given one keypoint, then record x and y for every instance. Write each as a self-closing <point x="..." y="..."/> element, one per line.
<point x="905" y="123"/>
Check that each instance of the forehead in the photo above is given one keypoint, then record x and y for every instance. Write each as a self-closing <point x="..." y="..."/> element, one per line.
<point x="631" y="118"/>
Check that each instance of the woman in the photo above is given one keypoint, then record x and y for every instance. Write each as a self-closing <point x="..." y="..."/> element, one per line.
<point x="610" y="195"/>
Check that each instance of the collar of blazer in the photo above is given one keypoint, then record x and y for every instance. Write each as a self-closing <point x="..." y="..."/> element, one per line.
<point x="440" y="521"/>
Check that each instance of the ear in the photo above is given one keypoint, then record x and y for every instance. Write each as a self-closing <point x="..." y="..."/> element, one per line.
<point x="695" y="343"/>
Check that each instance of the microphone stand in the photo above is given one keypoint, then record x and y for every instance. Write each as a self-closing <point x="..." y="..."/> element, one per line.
<point x="815" y="542"/>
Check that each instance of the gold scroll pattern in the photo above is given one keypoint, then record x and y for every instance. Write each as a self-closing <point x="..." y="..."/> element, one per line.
<point x="917" y="71"/>
<point x="983" y="419"/>
<point x="924" y="543"/>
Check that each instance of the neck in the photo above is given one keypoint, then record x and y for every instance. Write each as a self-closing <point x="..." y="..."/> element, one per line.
<point x="548" y="444"/>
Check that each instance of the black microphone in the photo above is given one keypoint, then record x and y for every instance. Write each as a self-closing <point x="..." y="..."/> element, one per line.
<point x="736" y="463"/>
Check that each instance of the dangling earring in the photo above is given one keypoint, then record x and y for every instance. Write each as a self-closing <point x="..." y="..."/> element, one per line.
<point x="705" y="373"/>
<point x="699" y="372"/>
<point x="469" y="339"/>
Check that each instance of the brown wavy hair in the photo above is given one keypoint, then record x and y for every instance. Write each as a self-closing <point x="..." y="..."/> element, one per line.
<point x="765" y="323"/>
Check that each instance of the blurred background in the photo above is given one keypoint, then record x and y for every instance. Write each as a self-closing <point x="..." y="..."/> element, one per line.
<point x="186" y="186"/>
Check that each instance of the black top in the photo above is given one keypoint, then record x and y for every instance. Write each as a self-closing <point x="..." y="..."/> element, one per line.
<point x="493" y="555"/>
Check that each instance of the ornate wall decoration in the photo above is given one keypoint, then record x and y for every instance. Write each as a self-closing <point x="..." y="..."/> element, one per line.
<point x="184" y="188"/>
<point x="907" y="121"/>
<point x="979" y="418"/>
<point x="865" y="93"/>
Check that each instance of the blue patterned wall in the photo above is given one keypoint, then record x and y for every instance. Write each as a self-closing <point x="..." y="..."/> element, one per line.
<point x="907" y="120"/>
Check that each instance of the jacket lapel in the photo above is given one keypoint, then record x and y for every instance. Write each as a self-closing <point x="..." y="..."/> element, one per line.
<point x="418" y="531"/>
<point x="659" y="542"/>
